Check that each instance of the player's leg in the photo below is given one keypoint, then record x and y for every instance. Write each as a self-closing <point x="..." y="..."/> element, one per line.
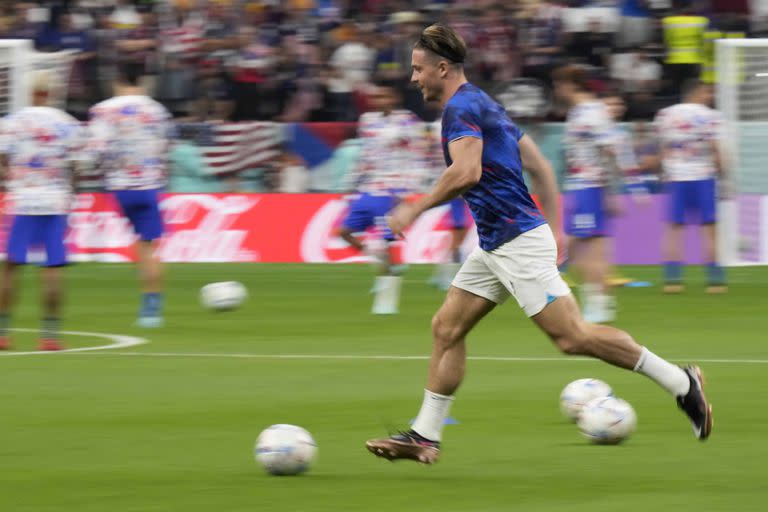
<point x="388" y="283"/>
<point x="358" y="219"/>
<point x="673" y="237"/>
<point x="141" y="207"/>
<point x="475" y="293"/>
<point x="707" y="206"/>
<point x="53" y="227"/>
<point x="529" y="264"/>
<point x="19" y="239"/>
<point x="7" y="295"/>
<point x="561" y="321"/>
<point x="586" y="224"/>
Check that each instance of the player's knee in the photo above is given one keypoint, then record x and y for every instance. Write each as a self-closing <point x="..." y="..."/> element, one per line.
<point x="444" y="332"/>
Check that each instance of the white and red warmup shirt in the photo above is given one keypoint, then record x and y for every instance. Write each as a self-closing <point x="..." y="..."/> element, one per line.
<point x="392" y="152"/>
<point x="589" y="132"/>
<point x="686" y="132"/>
<point x="131" y="136"/>
<point x="41" y="144"/>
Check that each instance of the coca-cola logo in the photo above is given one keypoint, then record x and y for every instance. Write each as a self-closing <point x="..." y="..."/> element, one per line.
<point x="201" y="228"/>
<point x="428" y="240"/>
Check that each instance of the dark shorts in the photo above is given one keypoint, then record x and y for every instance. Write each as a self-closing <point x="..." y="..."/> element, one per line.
<point x="38" y="231"/>
<point x="692" y="202"/>
<point x="142" y="207"/>
<point x="370" y="210"/>
<point x="585" y="215"/>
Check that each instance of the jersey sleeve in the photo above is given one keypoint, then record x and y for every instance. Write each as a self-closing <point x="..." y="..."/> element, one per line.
<point x="460" y="121"/>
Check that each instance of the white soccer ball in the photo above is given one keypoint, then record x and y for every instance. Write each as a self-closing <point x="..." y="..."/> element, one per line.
<point x="223" y="296"/>
<point x="576" y="395"/>
<point x="607" y="420"/>
<point x="285" y="449"/>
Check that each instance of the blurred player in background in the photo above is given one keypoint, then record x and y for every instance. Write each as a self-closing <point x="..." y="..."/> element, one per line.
<point x="691" y="162"/>
<point x="39" y="146"/>
<point x="457" y="213"/>
<point x="384" y="176"/>
<point x="485" y="153"/>
<point x="130" y="135"/>
<point x="628" y="167"/>
<point x="592" y="173"/>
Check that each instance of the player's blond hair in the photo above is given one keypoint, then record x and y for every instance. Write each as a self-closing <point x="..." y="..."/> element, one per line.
<point x="41" y="82"/>
<point x="444" y="42"/>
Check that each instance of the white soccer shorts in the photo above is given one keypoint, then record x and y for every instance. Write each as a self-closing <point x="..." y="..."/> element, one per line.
<point x="525" y="267"/>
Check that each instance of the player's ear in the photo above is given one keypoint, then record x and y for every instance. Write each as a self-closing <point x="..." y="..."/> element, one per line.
<point x="442" y="68"/>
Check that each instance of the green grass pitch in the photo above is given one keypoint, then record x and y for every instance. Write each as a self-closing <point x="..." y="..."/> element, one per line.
<point x="141" y="429"/>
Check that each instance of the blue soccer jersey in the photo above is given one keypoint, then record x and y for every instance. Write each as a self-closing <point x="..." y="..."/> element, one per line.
<point x="500" y="203"/>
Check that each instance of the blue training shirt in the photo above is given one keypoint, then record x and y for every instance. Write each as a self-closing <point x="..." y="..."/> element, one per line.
<point x="500" y="202"/>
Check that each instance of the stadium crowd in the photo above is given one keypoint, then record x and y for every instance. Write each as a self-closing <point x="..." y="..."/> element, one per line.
<point x="314" y="60"/>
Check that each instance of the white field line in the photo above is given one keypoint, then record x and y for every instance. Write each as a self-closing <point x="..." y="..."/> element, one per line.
<point x="117" y="341"/>
<point x="364" y="357"/>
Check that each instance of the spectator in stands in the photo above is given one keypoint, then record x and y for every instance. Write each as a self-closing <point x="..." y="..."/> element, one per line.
<point x="497" y="48"/>
<point x="540" y="39"/>
<point x="250" y="70"/>
<point x="62" y="34"/>
<point x="215" y="97"/>
<point x="125" y="16"/>
<point x="181" y="37"/>
<point x="25" y="23"/>
<point x="351" y="69"/>
<point x="137" y="45"/>
<point x="639" y="76"/>
<point x="636" y="24"/>
<point x="684" y="40"/>
<point x="105" y="37"/>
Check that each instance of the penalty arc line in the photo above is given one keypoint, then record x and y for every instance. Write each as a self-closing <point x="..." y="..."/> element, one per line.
<point x="363" y="357"/>
<point x="118" y="341"/>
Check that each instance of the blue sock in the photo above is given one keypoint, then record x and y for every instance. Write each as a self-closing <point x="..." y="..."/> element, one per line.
<point x="50" y="328"/>
<point x="673" y="272"/>
<point x="456" y="256"/>
<point x="151" y="304"/>
<point x="715" y="274"/>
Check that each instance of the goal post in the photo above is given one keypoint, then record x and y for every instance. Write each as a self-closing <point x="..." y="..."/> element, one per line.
<point x="18" y="62"/>
<point x="742" y="98"/>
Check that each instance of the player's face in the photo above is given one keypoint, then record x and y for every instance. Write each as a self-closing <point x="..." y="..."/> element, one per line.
<point x="384" y="99"/>
<point x="616" y="107"/>
<point x="561" y="90"/>
<point x="426" y="75"/>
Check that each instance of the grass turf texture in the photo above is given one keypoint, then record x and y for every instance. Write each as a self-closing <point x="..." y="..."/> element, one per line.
<point x="95" y="432"/>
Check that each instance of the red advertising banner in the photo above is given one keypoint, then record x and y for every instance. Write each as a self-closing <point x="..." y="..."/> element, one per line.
<point x="246" y="228"/>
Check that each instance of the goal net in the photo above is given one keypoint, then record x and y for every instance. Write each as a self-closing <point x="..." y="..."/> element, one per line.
<point x="18" y="62"/>
<point x="742" y="97"/>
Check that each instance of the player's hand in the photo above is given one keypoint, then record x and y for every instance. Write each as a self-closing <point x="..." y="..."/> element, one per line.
<point x="402" y="217"/>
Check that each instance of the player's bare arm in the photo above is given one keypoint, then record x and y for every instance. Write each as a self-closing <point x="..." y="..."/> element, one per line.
<point x="542" y="179"/>
<point x="462" y="174"/>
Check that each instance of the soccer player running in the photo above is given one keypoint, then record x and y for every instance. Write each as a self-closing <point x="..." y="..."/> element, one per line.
<point x="486" y="153"/>
<point x="130" y="134"/>
<point x="691" y="163"/>
<point x="592" y="173"/>
<point x="39" y="146"/>
<point x="383" y="179"/>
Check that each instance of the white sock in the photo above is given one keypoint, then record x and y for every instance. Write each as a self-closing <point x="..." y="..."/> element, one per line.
<point x="386" y="300"/>
<point x="434" y="410"/>
<point x="665" y="374"/>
